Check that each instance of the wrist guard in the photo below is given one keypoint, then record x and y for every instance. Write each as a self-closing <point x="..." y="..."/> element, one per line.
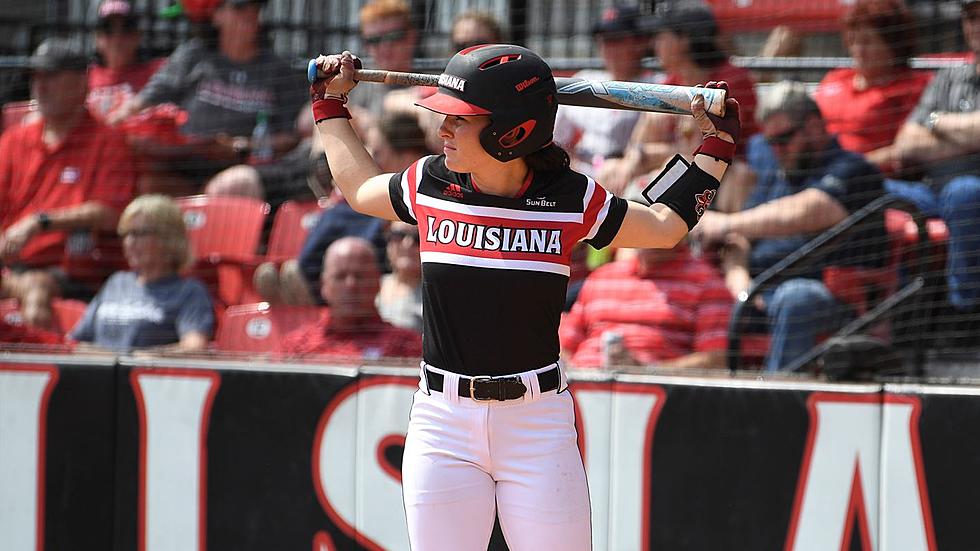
<point x="329" y="108"/>
<point x="683" y="187"/>
<point x="715" y="147"/>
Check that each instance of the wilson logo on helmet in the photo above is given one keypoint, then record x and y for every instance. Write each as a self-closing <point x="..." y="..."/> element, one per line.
<point x="521" y="86"/>
<point x="454" y="82"/>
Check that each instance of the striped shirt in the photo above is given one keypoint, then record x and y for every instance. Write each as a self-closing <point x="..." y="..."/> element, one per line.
<point x="495" y="269"/>
<point x="680" y="308"/>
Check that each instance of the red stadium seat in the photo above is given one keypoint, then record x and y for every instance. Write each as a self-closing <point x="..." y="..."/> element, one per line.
<point x="224" y="234"/>
<point x="259" y="327"/>
<point x="67" y="312"/>
<point x="293" y="222"/>
<point x="10" y="311"/>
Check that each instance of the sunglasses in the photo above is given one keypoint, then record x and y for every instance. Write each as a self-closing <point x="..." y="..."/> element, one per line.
<point x="390" y="36"/>
<point x="783" y="137"/>
<point x="399" y="236"/>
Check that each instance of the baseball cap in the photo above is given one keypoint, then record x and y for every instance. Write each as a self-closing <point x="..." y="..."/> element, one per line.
<point x="57" y="54"/>
<point x="967" y="3"/>
<point x="116" y="8"/>
<point x="618" y="20"/>
<point x="691" y="19"/>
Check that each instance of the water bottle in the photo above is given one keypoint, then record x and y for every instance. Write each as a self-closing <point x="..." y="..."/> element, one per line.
<point x="261" y="144"/>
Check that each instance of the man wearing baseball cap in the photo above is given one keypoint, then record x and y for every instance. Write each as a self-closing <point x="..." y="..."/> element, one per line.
<point x="63" y="177"/>
<point x="940" y="138"/>
<point x="592" y="135"/>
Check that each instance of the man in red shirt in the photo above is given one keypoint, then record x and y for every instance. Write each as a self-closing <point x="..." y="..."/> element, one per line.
<point x="63" y="178"/>
<point x="670" y="308"/>
<point x="351" y="329"/>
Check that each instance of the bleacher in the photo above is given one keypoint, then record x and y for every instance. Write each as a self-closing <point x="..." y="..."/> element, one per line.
<point x="896" y="302"/>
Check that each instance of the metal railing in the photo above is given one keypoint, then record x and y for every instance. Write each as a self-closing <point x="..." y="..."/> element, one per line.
<point x="810" y="254"/>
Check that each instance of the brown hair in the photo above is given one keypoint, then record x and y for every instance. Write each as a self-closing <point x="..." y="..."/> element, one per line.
<point x="484" y="20"/>
<point x="890" y="19"/>
<point x="382" y="9"/>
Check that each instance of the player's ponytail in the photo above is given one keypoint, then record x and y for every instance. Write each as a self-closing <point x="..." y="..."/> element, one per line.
<point x="548" y="158"/>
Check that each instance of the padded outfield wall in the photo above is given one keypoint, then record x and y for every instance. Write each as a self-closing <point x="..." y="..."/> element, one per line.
<point x="122" y="454"/>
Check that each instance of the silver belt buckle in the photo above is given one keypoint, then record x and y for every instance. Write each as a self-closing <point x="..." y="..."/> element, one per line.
<point x="473" y="382"/>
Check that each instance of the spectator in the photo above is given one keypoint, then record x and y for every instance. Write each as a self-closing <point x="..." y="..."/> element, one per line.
<point x="671" y="309"/>
<point x="226" y="86"/>
<point x="120" y="71"/>
<point x="472" y="28"/>
<point x="941" y="139"/>
<point x="150" y="306"/>
<point x="19" y="338"/>
<point x="390" y="38"/>
<point x="63" y="178"/>
<point x="864" y="106"/>
<point x="818" y="184"/>
<point x="397" y="143"/>
<point x="686" y="43"/>
<point x="400" y="297"/>
<point x="351" y="329"/>
<point x="593" y="135"/>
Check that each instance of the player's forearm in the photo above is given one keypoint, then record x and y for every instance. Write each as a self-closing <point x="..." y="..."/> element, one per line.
<point x="350" y="163"/>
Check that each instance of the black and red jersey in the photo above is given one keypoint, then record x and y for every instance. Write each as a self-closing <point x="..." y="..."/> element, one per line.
<point x="495" y="269"/>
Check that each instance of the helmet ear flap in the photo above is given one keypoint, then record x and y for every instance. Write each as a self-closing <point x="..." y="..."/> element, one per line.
<point x="517" y="134"/>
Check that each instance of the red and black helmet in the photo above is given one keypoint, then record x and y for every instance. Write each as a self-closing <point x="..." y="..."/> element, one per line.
<point x="511" y="84"/>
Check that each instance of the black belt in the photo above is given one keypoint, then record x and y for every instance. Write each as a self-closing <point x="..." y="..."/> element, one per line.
<point x="494" y="388"/>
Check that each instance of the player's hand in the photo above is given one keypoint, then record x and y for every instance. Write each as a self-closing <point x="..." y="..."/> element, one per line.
<point x="339" y="83"/>
<point x="729" y="127"/>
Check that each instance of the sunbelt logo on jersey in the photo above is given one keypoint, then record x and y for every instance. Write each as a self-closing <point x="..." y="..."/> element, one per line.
<point x="492" y="238"/>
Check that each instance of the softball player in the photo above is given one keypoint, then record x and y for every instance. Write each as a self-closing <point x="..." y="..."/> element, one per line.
<point x="492" y="427"/>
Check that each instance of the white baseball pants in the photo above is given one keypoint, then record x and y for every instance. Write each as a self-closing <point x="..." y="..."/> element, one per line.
<point x="465" y="460"/>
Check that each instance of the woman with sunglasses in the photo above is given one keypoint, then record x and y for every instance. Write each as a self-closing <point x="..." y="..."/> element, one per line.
<point x="150" y="306"/>
<point x="498" y="213"/>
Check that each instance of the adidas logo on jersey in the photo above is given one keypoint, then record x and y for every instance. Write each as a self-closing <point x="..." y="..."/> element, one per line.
<point x="454" y="191"/>
<point x="493" y="238"/>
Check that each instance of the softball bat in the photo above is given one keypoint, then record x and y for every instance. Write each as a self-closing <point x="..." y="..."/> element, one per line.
<point x="605" y="94"/>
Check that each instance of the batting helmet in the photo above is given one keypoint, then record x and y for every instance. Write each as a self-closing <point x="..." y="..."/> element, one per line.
<point x="512" y="85"/>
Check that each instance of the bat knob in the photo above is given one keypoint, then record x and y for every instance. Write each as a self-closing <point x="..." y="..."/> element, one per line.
<point x="311" y="70"/>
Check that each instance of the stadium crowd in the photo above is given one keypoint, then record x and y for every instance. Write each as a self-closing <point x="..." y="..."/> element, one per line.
<point x="183" y="205"/>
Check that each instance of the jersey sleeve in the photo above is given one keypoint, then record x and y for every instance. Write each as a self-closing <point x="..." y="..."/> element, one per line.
<point x="604" y="214"/>
<point x="402" y="189"/>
